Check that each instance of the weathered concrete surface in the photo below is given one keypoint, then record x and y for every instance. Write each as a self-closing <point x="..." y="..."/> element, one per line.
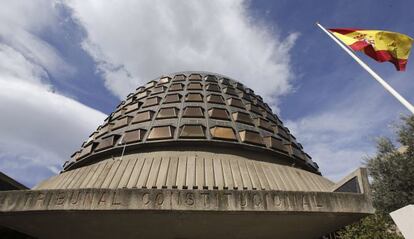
<point x="404" y="218"/>
<point x="170" y="199"/>
<point x="185" y="213"/>
<point x="189" y="169"/>
<point x="167" y="213"/>
<point x="128" y="213"/>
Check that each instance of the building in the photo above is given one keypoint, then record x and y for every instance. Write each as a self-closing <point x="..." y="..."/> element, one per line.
<point x="8" y="184"/>
<point x="189" y="155"/>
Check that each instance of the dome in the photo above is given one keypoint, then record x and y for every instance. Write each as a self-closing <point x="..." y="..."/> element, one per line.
<point x="192" y="130"/>
<point x="193" y="109"/>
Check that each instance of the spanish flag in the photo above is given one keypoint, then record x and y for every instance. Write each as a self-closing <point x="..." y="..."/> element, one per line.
<point x="379" y="45"/>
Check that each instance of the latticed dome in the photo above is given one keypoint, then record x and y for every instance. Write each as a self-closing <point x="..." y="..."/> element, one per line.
<point x="190" y="109"/>
<point x="191" y="130"/>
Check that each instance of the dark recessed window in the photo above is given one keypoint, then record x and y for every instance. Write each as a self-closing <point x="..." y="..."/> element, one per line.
<point x="194" y="77"/>
<point x="275" y="143"/>
<point x="132" y="107"/>
<point x="143" y="116"/>
<point x="224" y="133"/>
<point x="164" y="80"/>
<point x="251" y="137"/>
<point x="218" y="113"/>
<point x="150" y="84"/>
<point x="133" y="136"/>
<point x="264" y="124"/>
<point x="230" y="91"/>
<point x="158" y="90"/>
<point x="215" y="99"/>
<point x="122" y="122"/>
<point x="225" y="81"/>
<point x="176" y="87"/>
<point x="142" y="94"/>
<point x="245" y="96"/>
<point x="193" y="112"/>
<point x="194" y="97"/>
<point x="282" y="132"/>
<point x="179" y="78"/>
<point x="253" y="108"/>
<point x="211" y="78"/>
<point x="172" y="98"/>
<point x="166" y="113"/>
<point x="194" y="86"/>
<point x="235" y="103"/>
<point x="107" y="142"/>
<point x="118" y="113"/>
<point x="151" y="102"/>
<point x="239" y="86"/>
<point x="161" y="132"/>
<point x="192" y="131"/>
<point x="213" y="87"/>
<point x="242" y="118"/>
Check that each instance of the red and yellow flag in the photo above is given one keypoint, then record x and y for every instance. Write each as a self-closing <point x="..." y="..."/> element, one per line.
<point x="379" y="45"/>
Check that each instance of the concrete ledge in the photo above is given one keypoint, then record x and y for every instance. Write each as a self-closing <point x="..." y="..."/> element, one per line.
<point x="175" y="213"/>
<point x="170" y="199"/>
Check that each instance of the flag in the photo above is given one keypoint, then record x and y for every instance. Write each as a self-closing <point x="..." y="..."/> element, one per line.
<point x="379" y="45"/>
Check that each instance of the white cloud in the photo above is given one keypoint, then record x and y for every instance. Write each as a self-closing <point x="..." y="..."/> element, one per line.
<point x="136" y="41"/>
<point x="341" y="134"/>
<point x="20" y="24"/>
<point x="39" y="128"/>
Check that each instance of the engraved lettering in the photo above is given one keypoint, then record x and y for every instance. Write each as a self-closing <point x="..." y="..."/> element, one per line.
<point x="189" y="199"/>
<point x="11" y="202"/>
<point x="88" y="197"/>
<point x="257" y="200"/>
<point x="102" y="198"/>
<point x="3" y="198"/>
<point x="243" y="200"/>
<point x="60" y="198"/>
<point x="277" y="201"/>
<point x="41" y="197"/>
<point x="179" y="198"/>
<point x="227" y="196"/>
<point x="288" y="202"/>
<point x="206" y="198"/>
<point x="317" y="202"/>
<point x="145" y="198"/>
<point x="115" y="199"/>
<point x="29" y="196"/>
<point x="159" y="199"/>
<point x="75" y="200"/>
<point x="305" y="201"/>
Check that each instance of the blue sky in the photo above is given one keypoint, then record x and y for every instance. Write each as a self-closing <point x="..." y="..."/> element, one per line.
<point x="71" y="62"/>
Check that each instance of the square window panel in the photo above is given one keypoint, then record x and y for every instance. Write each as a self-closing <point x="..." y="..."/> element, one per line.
<point x="215" y="99"/>
<point x="194" y="86"/>
<point x="193" y="112"/>
<point x="218" y="113"/>
<point x="166" y="113"/>
<point x="194" y="97"/>
<point x="161" y="132"/>
<point x="192" y="131"/>
<point x="143" y="116"/>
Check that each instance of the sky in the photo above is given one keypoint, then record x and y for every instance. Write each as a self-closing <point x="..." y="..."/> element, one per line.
<point x="65" y="65"/>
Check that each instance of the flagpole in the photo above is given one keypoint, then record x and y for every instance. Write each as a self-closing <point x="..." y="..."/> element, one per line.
<point x="370" y="71"/>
